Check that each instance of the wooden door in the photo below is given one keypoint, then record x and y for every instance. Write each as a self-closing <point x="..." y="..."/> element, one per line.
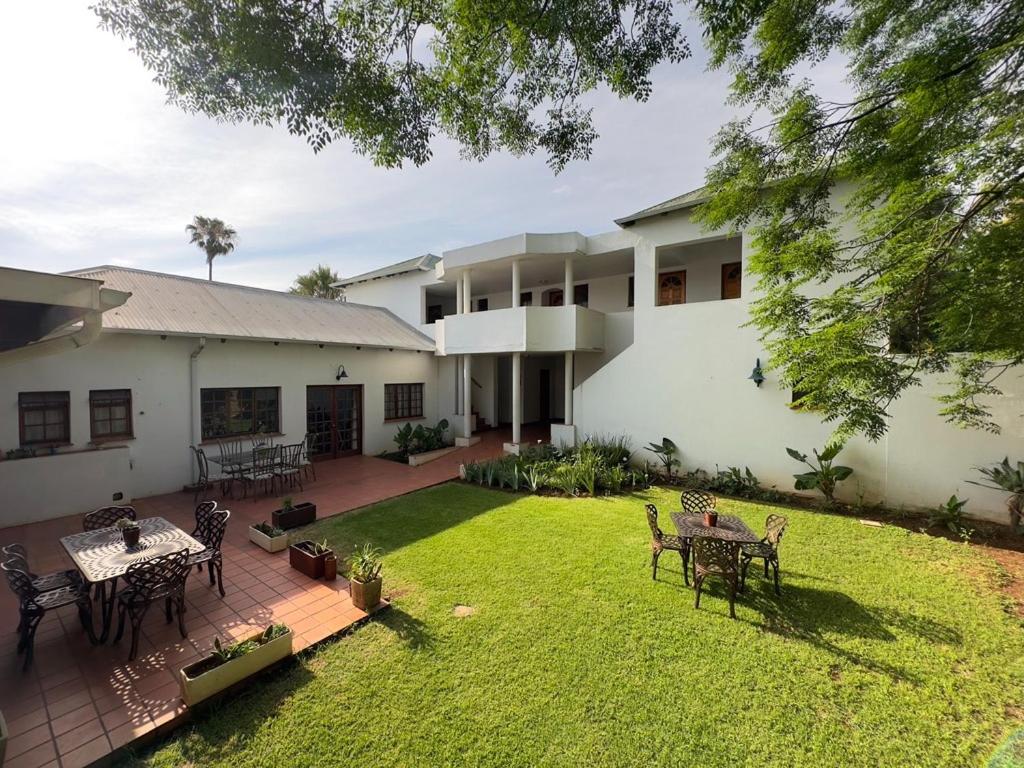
<point x="732" y="280"/>
<point x="672" y="288"/>
<point x="334" y="417"/>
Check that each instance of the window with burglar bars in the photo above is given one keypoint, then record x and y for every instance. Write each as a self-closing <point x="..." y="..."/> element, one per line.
<point x="44" y="418"/>
<point x="403" y="401"/>
<point x="240" y="411"/>
<point x="110" y="413"/>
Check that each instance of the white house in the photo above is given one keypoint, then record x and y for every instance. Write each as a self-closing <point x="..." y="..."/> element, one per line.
<point x="639" y="331"/>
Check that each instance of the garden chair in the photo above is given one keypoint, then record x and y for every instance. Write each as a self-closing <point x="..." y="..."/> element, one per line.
<point x="203" y="483"/>
<point x="105" y="517"/>
<point x="289" y="465"/>
<point x="230" y="470"/>
<point x="263" y="469"/>
<point x="716" y="557"/>
<point x="306" y="460"/>
<point x="661" y="541"/>
<point x="33" y="604"/>
<point x="45" y="581"/>
<point x="767" y="549"/>
<point x="159" y="578"/>
<point x="209" y="531"/>
<point x="695" y="502"/>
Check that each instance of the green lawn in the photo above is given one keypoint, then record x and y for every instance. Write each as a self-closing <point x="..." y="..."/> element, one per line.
<point x="887" y="648"/>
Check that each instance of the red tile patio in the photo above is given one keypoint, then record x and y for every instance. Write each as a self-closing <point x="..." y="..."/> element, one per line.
<point x="78" y="703"/>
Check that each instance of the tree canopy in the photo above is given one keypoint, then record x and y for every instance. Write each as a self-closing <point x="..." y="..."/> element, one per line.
<point x="390" y="74"/>
<point x="317" y="282"/>
<point x="213" y="237"/>
<point x="928" y="157"/>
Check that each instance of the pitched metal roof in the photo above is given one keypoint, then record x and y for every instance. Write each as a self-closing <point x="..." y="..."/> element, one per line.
<point x="422" y="263"/>
<point x="679" y="203"/>
<point x="186" y="306"/>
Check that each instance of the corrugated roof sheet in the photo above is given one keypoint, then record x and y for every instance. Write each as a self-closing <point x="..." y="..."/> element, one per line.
<point x="420" y="263"/>
<point x="678" y="203"/>
<point x="171" y="304"/>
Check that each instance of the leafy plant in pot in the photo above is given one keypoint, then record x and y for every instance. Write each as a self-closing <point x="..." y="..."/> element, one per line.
<point x="364" y="577"/>
<point x="293" y="515"/>
<point x="268" y="537"/>
<point x="130" y="532"/>
<point x="230" y="664"/>
<point x="309" y="557"/>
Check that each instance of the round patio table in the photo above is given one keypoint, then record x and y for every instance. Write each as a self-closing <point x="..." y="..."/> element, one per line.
<point x="729" y="528"/>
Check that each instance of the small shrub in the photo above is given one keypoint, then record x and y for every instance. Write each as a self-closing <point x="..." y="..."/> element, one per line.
<point x="365" y="563"/>
<point x="668" y="455"/>
<point x="950" y="516"/>
<point x="1007" y="477"/>
<point x="824" y="476"/>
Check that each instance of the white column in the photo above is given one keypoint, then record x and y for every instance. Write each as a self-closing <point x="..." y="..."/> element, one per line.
<point x="568" y="376"/>
<point x="458" y="384"/>
<point x="517" y="398"/>
<point x="467" y="292"/>
<point x="569" y="297"/>
<point x="467" y="396"/>
<point x="515" y="288"/>
<point x="458" y="297"/>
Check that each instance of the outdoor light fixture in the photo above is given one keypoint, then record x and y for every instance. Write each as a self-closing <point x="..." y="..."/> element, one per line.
<point x="757" y="375"/>
<point x="341" y="373"/>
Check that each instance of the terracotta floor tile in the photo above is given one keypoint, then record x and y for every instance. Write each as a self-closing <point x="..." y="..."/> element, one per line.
<point x="30" y="739"/>
<point x="74" y="719"/>
<point x="26" y="723"/>
<point x="44" y="754"/>
<point x="87" y="753"/>
<point x="80" y="736"/>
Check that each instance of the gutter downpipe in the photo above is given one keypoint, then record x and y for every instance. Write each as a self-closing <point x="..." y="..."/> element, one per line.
<point x="193" y="370"/>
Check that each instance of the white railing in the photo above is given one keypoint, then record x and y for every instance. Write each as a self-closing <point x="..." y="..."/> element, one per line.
<point x="522" y="329"/>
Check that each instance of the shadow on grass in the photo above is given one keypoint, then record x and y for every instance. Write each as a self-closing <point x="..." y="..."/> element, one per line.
<point x="413" y="632"/>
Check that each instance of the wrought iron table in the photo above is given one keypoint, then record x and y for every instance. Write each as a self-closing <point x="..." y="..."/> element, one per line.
<point x="101" y="555"/>
<point x="729" y="528"/>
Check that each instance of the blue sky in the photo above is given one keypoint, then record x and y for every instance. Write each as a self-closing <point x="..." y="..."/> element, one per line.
<point x="97" y="169"/>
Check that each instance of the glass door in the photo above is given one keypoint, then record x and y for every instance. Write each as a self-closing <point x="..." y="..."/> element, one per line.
<point x="334" y="418"/>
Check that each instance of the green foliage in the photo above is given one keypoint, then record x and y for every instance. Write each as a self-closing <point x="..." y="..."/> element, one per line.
<point x="388" y="75"/>
<point x="213" y="237"/>
<point x="930" y="141"/>
<point x="823" y="475"/>
<point x="317" y="283"/>
<point x="411" y="441"/>
<point x="950" y="516"/>
<point x="1010" y="478"/>
<point x="123" y="523"/>
<point x="287" y="504"/>
<point x="668" y="455"/>
<point x="268" y="530"/>
<point x="224" y="653"/>
<point x="319" y="547"/>
<point x="365" y="563"/>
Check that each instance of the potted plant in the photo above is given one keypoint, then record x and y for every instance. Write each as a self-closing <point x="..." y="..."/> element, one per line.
<point x="308" y="557"/>
<point x="364" y="577"/>
<point x="130" y="532"/>
<point x="293" y="515"/>
<point x="268" y="537"/>
<point x="227" y="665"/>
<point x="711" y="519"/>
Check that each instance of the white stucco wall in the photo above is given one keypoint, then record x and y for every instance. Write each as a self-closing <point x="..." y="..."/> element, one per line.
<point x="158" y="373"/>
<point x="403" y="295"/>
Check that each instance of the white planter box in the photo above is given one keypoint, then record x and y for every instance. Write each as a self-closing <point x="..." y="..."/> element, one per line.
<point x="213" y="681"/>
<point x="270" y="543"/>
<point x="422" y="458"/>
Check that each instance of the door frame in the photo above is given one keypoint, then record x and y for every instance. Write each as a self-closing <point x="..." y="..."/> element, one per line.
<point x="334" y="453"/>
<point x="726" y="268"/>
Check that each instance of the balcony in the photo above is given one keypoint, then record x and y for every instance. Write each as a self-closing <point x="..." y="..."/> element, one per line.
<point x="521" y="329"/>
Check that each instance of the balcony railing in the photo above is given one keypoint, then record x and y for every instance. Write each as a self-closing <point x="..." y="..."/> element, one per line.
<point x="522" y="329"/>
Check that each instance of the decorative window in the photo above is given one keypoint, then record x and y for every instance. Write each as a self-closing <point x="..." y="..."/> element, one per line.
<point x="403" y="401"/>
<point x="44" y="418"/>
<point x="481" y="305"/>
<point x="239" y="411"/>
<point x="110" y="413"/>
<point x="629" y="292"/>
<point x="672" y="288"/>
<point x="526" y="299"/>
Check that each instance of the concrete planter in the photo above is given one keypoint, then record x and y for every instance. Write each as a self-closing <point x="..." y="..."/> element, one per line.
<point x="422" y="458"/>
<point x="3" y="737"/>
<point x="211" y="682"/>
<point x="271" y="544"/>
<point x="365" y="596"/>
<point x="302" y="559"/>
<point x="300" y="514"/>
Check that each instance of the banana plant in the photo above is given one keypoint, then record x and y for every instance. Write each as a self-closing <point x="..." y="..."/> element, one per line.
<point x="667" y="453"/>
<point x="1006" y="477"/>
<point x="824" y="475"/>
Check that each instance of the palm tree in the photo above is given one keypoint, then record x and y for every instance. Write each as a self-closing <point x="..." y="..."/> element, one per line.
<point x="317" y="282"/>
<point x="212" y="236"/>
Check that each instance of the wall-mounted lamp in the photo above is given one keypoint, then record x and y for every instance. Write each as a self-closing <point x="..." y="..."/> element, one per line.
<point x="757" y="375"/>
<point x="341" y="373"/>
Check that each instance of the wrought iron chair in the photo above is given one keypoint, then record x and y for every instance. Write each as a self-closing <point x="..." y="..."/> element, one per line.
<point x="306" y="461"/>
<point x="767" y="549"/>
<point x="210" y="526"/>
<point x="159" y="578"/>
<point x="696" y="502"/>
<point x="230" y="471"/>
<point x="289" y="465"/>
<point x="661" y="541"/>
<point x="34" y="603"/>
<point x="716" y="557"/>
<point x="105" y="517"/>
<point x="203" y="483"/>
<point x="45" y="581"/>
<point x="262" y="470"/>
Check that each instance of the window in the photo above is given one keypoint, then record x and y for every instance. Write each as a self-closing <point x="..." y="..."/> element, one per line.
<point x="481" y="305"/>
<point x="44" y="418"/>
<point x="403" y="401"/>
<point x="526" y="299"/>
<point x="672" y="288"/>
<point x="554" y="297"/>
<point x="581" y="294"/>
<point x="247" y="411"/>
<point x="732" y="280"/>
<point x="435" y="312"/>
<point x="110" y="413"/>
<point x="629" y="292"/>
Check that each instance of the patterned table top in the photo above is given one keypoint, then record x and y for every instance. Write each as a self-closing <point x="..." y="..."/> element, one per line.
<point x="101" y="555"/>
<point x="729" y="528"/>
